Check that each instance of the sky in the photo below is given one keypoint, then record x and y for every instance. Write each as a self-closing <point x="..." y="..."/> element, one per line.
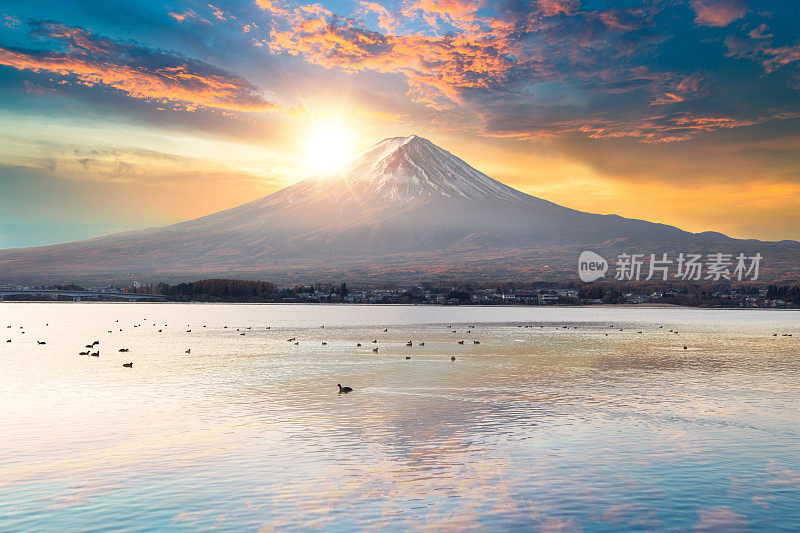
<point x="117" y="115"/>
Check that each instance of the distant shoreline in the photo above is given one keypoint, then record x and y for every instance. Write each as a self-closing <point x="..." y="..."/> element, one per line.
<point x="348" y="304"/>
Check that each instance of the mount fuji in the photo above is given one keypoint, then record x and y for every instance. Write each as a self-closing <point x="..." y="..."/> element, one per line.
<point x="404" y="210"/>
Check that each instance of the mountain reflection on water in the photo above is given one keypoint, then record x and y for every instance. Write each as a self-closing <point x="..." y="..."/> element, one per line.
<point x="540" y="427"/>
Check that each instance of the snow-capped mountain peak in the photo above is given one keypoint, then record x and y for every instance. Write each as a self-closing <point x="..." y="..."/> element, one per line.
<point x="406" y="169"/>
<point x="403" y="209"/>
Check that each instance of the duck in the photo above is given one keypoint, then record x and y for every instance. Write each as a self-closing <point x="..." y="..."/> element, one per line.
<point x="375" y="350"/>
<point x="124" y="350"/>
<point x="95" y="354"/>
<point x="374" y="341"/>
<point x="188" y="351"/>
<point x="460" y="342"/>
<point x="408" y="357"/>
<point x="476" y="342"/>
<point x="344" y="390"/>
<point x="9" y="340"/>
<point x="128" y="365"/>
<point x="84" y="353"/>
<point x="324" y="343"/>
<point x="409" y="343"/>
<point x="358" y="344"/>
<point x="40" y="342"/>
<point x="422" y="344"/>
<point x="452" y="357"/>
<point x="89" y="346"/>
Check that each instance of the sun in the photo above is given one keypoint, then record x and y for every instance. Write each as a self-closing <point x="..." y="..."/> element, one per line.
<point x="328" y="148"/>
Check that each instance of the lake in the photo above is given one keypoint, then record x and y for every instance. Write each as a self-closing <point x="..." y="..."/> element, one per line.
<point x="560" y="419"/>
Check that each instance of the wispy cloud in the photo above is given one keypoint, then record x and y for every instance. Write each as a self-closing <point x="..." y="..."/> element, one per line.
<point x="758" y="46"/>
<point x="664" y="128"/>
<point x="156" y="76"/>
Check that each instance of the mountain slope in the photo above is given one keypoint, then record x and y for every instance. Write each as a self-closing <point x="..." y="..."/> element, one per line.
<point x="404" y="207"/>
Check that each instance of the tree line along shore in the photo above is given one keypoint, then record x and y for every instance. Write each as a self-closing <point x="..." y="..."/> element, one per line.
<point x="506" y="293"/>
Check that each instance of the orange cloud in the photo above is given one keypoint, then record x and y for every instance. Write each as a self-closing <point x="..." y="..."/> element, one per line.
<point x="460" y="13"/>
<point x="556" y="7"/>
<point x="218" y="13"/>
<point x="386" y="20"/>
<point x="661" y="128"/>
<point x="437" y="67"/>
<point x="668" y="128"/>
<point x="718" y="12"/>
<point x="10" y="21"/>
<point x="138" y="72"/>
<point x="189" y="14"/>
<point x="499" y="64"/>
<point x="760" y="48"/>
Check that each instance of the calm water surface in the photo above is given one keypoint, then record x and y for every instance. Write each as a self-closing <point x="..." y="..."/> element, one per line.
<point x="547" y="428"/>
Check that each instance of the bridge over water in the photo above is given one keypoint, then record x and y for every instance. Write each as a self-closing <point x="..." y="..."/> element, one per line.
<point x="80" y="295"/>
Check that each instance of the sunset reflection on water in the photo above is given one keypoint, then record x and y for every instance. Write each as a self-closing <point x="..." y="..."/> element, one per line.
<point x="541" y="427"/>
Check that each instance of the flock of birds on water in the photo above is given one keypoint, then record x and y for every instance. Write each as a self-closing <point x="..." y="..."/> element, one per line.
<point x="92" y="349"/>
